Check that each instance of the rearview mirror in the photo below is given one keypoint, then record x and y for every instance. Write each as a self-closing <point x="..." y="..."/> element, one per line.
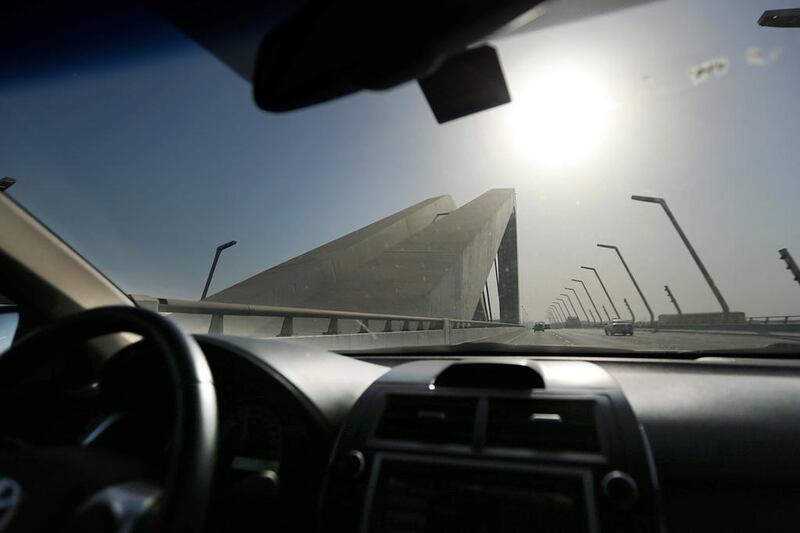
<point x="332" y="48"/>
<point x="335" y="48"/>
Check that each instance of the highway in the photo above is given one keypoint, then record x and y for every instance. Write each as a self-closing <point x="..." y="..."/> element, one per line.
<point x="647" y="339"/>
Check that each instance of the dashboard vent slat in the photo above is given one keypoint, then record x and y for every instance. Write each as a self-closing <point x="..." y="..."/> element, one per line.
<point x="552" y="425"/>
<point x="433" y="419"/>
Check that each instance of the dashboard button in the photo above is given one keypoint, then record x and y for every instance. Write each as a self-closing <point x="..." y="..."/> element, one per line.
<point x="353" y="464"/>
<point x="620" y="489"/>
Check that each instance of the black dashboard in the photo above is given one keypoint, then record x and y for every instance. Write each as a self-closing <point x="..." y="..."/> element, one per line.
<point x="486" y="443"/>
<point x="501" y="445"/>
<point x="279" y="411"/>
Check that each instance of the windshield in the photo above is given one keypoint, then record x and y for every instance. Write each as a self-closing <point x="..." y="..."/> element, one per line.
<point x="150" y="159"/>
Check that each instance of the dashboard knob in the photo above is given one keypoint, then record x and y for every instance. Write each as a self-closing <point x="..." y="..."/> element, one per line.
<point x="620" y="489"/>
<point x="352" y="464"/>
<point x="252" y="502"/>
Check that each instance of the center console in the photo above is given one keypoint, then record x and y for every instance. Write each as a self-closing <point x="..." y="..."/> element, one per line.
<point x="499" y="445"/>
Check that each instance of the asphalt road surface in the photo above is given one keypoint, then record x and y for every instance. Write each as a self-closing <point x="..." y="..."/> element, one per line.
<point x="644" y="339"/>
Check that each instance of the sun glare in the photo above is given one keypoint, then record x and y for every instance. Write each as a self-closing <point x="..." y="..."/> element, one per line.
<point x="560" y="117"/>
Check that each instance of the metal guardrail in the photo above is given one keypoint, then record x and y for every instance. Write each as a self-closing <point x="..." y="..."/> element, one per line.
<point x="775" y="324"/>
<point x="775" y="319"/>
<point x="218" y="310"/>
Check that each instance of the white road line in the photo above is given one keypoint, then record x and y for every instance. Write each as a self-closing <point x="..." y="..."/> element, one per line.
<point x="512" y="339"/>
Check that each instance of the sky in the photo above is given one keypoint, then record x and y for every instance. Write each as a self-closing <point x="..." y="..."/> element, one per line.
<point x="144" y="165"/>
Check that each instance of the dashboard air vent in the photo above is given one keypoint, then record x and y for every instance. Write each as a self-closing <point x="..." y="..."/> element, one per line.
<point x="444" y="420"/>
<point x="562" y="425"/>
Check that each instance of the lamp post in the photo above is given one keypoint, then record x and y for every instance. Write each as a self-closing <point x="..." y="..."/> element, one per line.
<point x="560" y="309"/>
<point x="574" y="310"/>
<point x="700" y="265"/>
<point x="558" y="313"/>
<point x="580" y="304"/>
<point x="596" y="312"/>
<point x="553" y="310"/>
<point x="647" y="305"/>
<point x="565" y="310"/>
<point x="673" y="299"/>
<point x="633" y="317"/>
<point x="614" y="307"/>
<point x="6" y="183"/>
<point x="791" y="265"/>
<point x="563" y="316"/>
<point x="220" y="248"/>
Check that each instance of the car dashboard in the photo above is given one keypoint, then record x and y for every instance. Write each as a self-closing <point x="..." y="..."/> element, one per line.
<point x="313" y="440"/>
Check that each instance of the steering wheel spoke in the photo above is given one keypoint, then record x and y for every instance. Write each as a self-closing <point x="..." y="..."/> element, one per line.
<point x="121" y="508"/>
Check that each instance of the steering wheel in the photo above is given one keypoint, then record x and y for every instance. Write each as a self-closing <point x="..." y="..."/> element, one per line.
<point x="103" y="491"/>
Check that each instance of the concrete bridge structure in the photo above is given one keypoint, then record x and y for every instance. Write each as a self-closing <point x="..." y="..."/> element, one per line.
<point x="432" y="259"/>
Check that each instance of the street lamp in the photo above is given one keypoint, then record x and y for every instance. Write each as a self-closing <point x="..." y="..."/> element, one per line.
<point x="673" y="299"/>
<point x="563" y="316"/>
<point x="647" y="305"/>
<point x="614" y="307"/>
<point x="6" y="182"/>
<point x="633" y="317"/>
<point x="558" y="312"/>
<point x="580" y="304"/>
<point x="565" y="310"/>
<point x="791" y="265"/>
<point x="600" y="318"/>
<point x="214" y="265"/>
<point x="700" y="265"/>
<point x="573" y="307"/>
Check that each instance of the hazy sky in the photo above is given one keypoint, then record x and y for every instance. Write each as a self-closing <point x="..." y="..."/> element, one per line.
<point x="146" y="165"/>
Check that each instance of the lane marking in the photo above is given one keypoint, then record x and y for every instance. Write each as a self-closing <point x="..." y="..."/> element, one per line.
<point x="512" y="339"/>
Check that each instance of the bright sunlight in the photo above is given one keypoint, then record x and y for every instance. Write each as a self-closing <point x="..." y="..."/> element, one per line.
<point x="560" y="117"/>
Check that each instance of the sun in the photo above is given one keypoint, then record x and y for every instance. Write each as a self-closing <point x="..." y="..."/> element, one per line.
<point x="560" y="117"/>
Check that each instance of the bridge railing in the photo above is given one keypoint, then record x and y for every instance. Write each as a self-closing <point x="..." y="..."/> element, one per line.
<point x="774" y="319"/>
<point x="765" y="324"/>
<point x="391" y="323"/>
<point x="787" y="323"/>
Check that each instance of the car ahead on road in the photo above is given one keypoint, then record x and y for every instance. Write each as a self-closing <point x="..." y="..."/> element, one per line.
<point x="619" y="327"/>
<point x="546" y="325"/>
<point x="539" y="326"/>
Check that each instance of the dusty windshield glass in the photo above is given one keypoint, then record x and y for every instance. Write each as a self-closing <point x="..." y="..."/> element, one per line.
<point x="368" y="218"/>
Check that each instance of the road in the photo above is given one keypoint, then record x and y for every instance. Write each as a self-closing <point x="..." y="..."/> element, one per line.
<point x="647" y="339"/>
